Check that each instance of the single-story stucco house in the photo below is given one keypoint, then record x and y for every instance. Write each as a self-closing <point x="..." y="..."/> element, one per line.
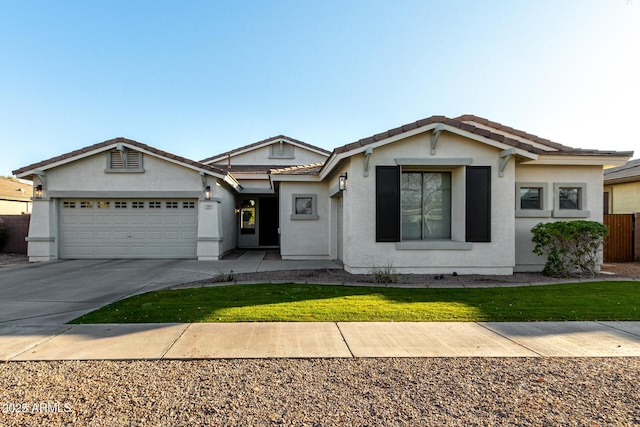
<point x="434" y="196"/>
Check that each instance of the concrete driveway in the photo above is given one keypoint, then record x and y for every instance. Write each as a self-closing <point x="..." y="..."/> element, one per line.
<point x="53" y="293"/>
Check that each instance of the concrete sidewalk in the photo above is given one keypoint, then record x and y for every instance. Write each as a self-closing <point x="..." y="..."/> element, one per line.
<point x="321" y="339"/>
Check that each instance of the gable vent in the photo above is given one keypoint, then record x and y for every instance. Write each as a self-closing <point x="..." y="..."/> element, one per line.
<point x="125" y="159"/>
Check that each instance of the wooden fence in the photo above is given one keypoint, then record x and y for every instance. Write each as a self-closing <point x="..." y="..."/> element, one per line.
<point x="17" y="230"/>
<point x="619" y="244"/>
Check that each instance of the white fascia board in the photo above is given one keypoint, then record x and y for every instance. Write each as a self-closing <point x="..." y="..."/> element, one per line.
<point x="246" y="175"/>
<point x="65" y="161"/>
<point x="296" y="178"/>
<point x="587" y="160"/>
<point x="250" y="190"/>
<point x="233" y="182"/>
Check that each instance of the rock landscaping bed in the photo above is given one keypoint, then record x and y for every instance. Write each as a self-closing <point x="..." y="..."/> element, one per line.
<point x="323" y="392"/>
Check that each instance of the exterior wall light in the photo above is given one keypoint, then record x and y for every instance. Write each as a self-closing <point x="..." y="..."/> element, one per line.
<point x="38" y="192"/>
<point x="342" y="182"/>
<point x="207" y="192"/>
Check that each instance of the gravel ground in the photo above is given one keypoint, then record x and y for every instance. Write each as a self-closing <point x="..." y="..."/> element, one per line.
<point x="324" y="392"/>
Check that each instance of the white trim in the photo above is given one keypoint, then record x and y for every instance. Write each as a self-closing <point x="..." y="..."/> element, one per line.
<point x="586" y="160"/>
<point x="125" y="194"/>
<point x="433" y="245"/>
<point x="449" y="162"/>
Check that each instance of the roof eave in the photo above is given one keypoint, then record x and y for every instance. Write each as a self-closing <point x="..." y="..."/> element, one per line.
<point x="617" y="159"/>
<point x="336" y="158"/>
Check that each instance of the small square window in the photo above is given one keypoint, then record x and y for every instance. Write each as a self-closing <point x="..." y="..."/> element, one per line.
<point x="137" y="205"/>
<point x="86" y="205"/>
<point x="188" y="205"/>
<point x="155" y="205"/>
<point x="305" y="206"/>
<point x="68" y="205"/>
<point x="104" y="205"/>
<point x="570" y="200"/>
<point x="171" y="205"/>
<point x="120" y="205"/>
<point x="531" y="200"/>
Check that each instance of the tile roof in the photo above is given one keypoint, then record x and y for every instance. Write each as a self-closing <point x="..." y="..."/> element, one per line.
<point x="15" y="190"/>
<point x="485" y="128"/>
<point x="312" y="169"/>
<point x="627" y="173"/>
<point x="259" y="143"/>
<point x="101" y="145"/>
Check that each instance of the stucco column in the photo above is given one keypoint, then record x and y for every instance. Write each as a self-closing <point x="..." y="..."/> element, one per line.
<point x="210" y="233"/>
<point x="42" y="244"/>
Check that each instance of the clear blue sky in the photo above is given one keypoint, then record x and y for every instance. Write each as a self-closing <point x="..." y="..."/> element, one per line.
<point x="197" y="78"/>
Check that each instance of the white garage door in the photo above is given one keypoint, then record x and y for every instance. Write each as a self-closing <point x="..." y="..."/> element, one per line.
<point x="128" y="228"/>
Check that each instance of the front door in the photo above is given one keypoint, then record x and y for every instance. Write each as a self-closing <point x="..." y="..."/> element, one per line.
<point x="268" y="220"/>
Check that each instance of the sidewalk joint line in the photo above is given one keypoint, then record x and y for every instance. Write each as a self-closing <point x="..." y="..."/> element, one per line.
<point x="599" y="322"/>
<point x="344" y="339"/>
<point x="175" y="341"/>
<point x="49" y="338"/>
<point x="484" y="325"/>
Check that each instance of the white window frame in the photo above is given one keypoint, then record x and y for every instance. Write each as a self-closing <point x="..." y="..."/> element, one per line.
<point x="581" y="211"/>
<point x="314" y="206"/>
<point x="542" y="212"/>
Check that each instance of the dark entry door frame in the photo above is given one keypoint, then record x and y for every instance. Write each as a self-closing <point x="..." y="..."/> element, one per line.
<point x="269" y="222"/>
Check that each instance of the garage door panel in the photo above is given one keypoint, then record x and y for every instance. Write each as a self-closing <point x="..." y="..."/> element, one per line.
<point x="99" y="230"/>
<point x="103" y="219"/>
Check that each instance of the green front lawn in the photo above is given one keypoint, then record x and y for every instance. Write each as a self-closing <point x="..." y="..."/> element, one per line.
<point x="316" y="303"/>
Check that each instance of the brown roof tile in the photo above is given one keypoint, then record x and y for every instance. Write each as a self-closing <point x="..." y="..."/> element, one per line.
<point x="465" y="123"/>
<point x="312" y="169"/>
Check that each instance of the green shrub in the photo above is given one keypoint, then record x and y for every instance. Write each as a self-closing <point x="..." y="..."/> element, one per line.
<point x="571" y="247"/>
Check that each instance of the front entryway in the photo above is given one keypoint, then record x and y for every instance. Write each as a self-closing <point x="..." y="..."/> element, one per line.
<point x="259" y="222"/>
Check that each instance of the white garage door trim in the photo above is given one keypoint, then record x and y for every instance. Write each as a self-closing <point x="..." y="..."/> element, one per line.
<point x="128" y="228"/>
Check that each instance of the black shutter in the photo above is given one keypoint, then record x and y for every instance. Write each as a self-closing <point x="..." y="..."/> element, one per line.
<point x="478" y="204"/>
<point x="387" y="203"/>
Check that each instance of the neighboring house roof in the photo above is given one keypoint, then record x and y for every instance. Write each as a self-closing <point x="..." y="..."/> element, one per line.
<point x="264" y="142"/>
<point x="15" y="190"/>
<point x="626" y="173"/>
<point x="103" y="146"/>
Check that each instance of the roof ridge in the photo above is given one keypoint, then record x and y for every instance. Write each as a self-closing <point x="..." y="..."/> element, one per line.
<point x="255" y="144"/>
